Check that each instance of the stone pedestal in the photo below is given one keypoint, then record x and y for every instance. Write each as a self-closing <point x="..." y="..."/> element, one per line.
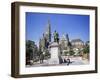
<point x="55" y="53"/>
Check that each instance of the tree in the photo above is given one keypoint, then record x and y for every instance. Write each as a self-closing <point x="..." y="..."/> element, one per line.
<point x="71" y="52"/>
<point x="31" y="51"/>
<point x="66" y="53"/>
<point x="86" y="49"/>
<point x="47" y="54"/>
<point x="86" y="52"/>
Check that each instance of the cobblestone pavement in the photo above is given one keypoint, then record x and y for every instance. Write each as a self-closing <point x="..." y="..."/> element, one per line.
<point x="74" y="61"/>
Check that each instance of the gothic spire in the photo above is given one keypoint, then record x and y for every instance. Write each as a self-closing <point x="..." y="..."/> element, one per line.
<point x="48" y="31"/>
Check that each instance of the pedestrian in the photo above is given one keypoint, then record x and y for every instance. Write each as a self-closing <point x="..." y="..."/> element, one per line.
<point x="68" y="61"/>
<point x="41" y="58"/>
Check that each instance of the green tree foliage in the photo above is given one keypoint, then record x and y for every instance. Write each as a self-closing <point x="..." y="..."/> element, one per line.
<point x="71" y="52"/>
<point x="31" y="50"/>
<point x="47" y="54"/>
<point x="86" y="49"/>
<point x="66" y="53"/>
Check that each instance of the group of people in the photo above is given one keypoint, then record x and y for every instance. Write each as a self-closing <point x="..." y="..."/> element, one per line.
<point x="64" y="60"/>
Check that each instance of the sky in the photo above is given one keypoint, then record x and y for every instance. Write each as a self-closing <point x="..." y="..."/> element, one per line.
<point x="76" y="26"/>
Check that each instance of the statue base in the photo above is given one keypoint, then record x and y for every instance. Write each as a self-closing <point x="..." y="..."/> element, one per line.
<point x="55" y="53"/>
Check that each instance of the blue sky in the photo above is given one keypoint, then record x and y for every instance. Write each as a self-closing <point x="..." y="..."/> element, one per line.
<point x="76" y="26"/>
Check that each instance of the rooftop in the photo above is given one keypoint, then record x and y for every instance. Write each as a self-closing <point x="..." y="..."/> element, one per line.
<point x="76" y="40"/>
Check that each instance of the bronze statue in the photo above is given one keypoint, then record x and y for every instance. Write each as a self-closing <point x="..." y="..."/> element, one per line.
<point x="56" y="37"/>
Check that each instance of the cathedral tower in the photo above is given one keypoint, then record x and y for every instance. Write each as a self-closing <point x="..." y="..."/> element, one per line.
<point x="48" y="32"/>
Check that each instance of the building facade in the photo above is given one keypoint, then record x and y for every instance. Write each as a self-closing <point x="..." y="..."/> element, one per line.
<point x="77" y="43"/>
